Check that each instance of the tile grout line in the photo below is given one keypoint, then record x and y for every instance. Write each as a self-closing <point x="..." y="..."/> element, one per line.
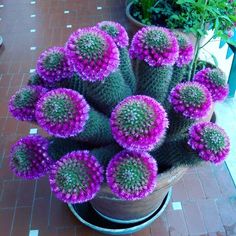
<point x="14" y="214"/>
<point x="32" y="208"/>
<point x="50" y="208"/>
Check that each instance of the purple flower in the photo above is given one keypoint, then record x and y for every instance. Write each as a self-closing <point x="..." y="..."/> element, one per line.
<point x="132" y="175"/>
<point x="62" y="112"/>
<point x="186" y="50"/>
<point x="215" y="81"/>
<point x="155" y="45"/>
<point x="29" y="158"/>
<point x="22" y="104"/>
<point x="191" y="99"/>
<point x="52" y="65"/>
<point x="116" y="31"/>
<point x="138" y="123"/>
<point x="210" y="141"/>
<point x="76" y="177"/>
<point x="93" y="54"/>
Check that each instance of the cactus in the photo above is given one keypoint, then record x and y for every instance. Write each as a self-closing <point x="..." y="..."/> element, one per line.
<point x="97" y="130"/>
<point x="154" y="82"/>
<point x="107" y="124"/>
<point x="126" y="69"/>
<point x="175" y="153"/>
<point x="107" y="94"/>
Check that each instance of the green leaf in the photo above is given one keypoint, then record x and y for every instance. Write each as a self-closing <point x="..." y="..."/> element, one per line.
<point x="184" y="1"/>
<point x="214" y="59"/>
<point x="233" y="17"/>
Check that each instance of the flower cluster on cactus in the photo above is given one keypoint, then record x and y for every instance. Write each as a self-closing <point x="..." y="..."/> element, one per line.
<point x="92" y="53"/>
<point x="22" y="104"/>
<point x="191" y="99"/>
<point x="29" y="158"/>
<point x="62" y="112"/>
<point x="110" y="122"/>
<point x="132" y="175"/>
<point x="53" y="65"/>
<point x="76" y="177"/>
<point x="215" y="81"/>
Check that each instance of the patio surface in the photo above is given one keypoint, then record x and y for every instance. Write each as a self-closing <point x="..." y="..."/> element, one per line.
<point x="203" y="202"/>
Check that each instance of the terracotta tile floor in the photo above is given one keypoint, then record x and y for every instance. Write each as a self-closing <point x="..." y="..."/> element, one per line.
<point x="207" y="195"/>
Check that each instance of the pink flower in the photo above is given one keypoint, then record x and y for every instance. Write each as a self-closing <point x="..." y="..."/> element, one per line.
<point x="52" y="65"/>
<point x="22" y="104"/>
<point x="210" y="141"/>
<point x="132" y="175"/>
<point x="191" y="99"/>
<point x="29" y="158"/>
<point x="116" y="31"/>
<point x="62" y="112"/>
<point x="186" y="50"/>
<point x="92" y="53"/>
<point x="155" y="45"/>
<point x="76" y="177"/>
<point x="215" y="81"/>
<point x="138" y="123"/>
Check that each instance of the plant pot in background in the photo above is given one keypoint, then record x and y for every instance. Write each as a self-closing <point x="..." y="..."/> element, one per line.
<point x="136" y="25"/>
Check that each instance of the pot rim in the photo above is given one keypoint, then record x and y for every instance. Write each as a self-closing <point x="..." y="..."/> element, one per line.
<point x="131" y="18"/>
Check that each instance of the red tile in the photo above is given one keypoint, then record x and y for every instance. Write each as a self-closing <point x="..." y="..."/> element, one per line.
<point x="9" y="194"/>
<point x="40" y="213"/>
<point x="227" y="211"/>
<point x="224" y="180"/>
<point x="194" y="219"/>
<point x="5" y="172"/>
<point x="43" y="188"/>
<point x="209" y="209"/>
<point x="46" y="231"/>
<point x="26" y="193"/>
<point x="6" y="217"/>
<point x="195" y="192"/>
<point x="218" y="234"/>
<point x="60" y="215"/>
<point x="176" y="222"/>
<point x="144" y="232"/>
<point x="179" y="192"/>
<point x="67" y="232"/>
<point x="84" y="231"/>
<point x="160" y="226"/>
<point x="21" y="221"/>
<point x="10" y="126"/>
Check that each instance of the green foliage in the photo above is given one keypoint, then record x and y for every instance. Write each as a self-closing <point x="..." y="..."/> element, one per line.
<point x="126" y="69"/>
<point x="146" y="10"/>
<point x="154" y="81"/>
<point x="108" y="93"/>
<point x="97" y="130"/>
<point x="194" y="16"/>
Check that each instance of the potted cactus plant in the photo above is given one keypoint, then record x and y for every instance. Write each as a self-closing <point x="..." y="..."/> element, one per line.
<point x="119" y="139"/>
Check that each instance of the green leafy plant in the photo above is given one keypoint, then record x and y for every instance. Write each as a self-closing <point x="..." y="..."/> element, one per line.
<point x="193" y="16"/>
<point x="146" y="7"/>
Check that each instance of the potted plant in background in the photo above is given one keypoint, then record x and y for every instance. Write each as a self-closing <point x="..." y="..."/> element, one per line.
<point x="193" y="17"/>
<point x="119" y="139"/>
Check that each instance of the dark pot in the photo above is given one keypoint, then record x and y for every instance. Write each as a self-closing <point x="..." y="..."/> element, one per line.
<point x="136" y="25"/>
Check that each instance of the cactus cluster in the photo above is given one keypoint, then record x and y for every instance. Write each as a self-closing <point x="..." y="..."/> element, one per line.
<point x="111" y="122"/>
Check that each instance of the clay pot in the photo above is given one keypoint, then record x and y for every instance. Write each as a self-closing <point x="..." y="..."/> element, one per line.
<point x="137" y="25"/>
<point x="122" y="211"/>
